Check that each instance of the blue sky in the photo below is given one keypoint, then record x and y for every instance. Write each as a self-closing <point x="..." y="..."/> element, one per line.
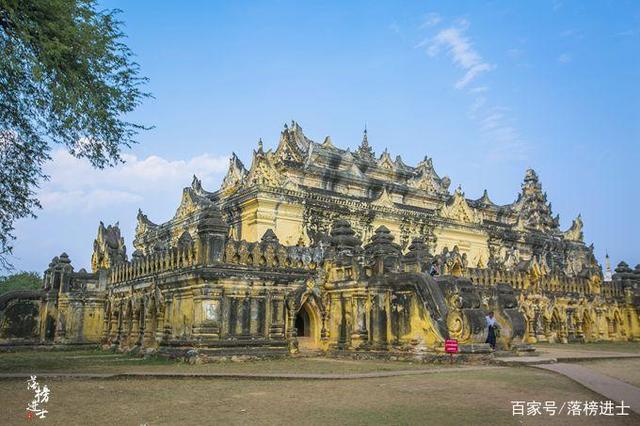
<point x="487" y="89"/>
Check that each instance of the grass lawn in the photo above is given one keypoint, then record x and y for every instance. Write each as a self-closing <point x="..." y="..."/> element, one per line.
<point x="451" y="397"/>
<point x="88" y="361"/>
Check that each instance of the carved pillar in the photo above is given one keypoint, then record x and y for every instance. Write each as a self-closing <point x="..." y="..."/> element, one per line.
<point x="240" y="308"/>
<point x="150" y="326"/>
<point x="142" y="324"/>
<point x="267" y="315"/>
<point x="540" y="325"/>
<point x="61" y="326"/>
<point x="378" y="324"/>
<point x="246" y="316"/>
<point x="571" y="328"/>
<point x="106" y="325"/>
<point x="256" y="322"/>
<point x="277" y="321"/>
<point x="119" y="336"/>
<point x="156" y="335"/>
<point x="167" y="329"/>
<point x="292" y="332"/>
<point x="134" y="333"/>
<point x="359" y="335"/>
<point x="116" y="326"/>
<point x="610" y="328"/>
<point x="324" y="331"/>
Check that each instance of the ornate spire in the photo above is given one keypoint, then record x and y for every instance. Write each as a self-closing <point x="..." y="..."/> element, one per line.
<point x="108" y="247"/>
<point x="364" y="151"/>
<point x="533" y="210"/>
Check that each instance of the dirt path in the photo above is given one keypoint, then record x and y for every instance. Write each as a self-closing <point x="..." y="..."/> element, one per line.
<point x="606" y="386"/>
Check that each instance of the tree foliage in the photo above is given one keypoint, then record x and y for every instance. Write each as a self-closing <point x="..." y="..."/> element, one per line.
<point x="20" y="281"/>
<point x="67" y="78"/>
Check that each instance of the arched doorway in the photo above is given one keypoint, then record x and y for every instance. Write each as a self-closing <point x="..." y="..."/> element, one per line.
<point x="307" y="329"/>
<point x="303" y="326"/>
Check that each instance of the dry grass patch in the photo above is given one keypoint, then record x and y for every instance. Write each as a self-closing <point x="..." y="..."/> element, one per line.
<point x="448" y="397"/>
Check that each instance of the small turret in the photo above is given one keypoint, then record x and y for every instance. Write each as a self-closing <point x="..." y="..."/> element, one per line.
<point x="608" y="274"/>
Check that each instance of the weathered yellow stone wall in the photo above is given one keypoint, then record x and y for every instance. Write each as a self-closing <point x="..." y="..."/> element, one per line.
<point x="261" y="214"/>
<point x="471" y="242"/>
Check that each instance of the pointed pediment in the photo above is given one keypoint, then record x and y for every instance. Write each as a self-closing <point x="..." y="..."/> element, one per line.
<point x="457" y="208"/>
<point x="190" y="203"/>
<point x="355" y="170"/>
<point x="263" y="171"/>
<point x="293" y="144"/>
<point x="384" y="200"/>
<point x="235" y="177"/>
<point x="426" y="179"/>
<point x="385" y="161"/>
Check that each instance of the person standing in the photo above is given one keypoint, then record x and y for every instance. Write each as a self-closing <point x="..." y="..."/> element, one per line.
<point x="492" y="324"/>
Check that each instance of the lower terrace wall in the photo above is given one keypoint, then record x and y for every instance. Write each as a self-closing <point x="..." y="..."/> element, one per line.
<point x="265" y="298"/>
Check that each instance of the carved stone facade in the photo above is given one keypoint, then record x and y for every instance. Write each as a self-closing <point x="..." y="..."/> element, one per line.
<point x="318" y="247"/>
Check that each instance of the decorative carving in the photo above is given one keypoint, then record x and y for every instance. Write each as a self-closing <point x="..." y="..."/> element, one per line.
<point x="384" y="200"/>
<point x="532" y="209"/>
<point x="235" y="177"/>
<point x="144" y="224"/>
<point x="457" y="208"/>
<point x="385" y="161"/>
<point x="293" y="144"/>
<point x="575" y="232"/>
<point x="263" y="171"/>
<point x="426" y="179"/>
<point x="190" y="203"/>
<point x="108" y="248"/>
<point x="364" y="151"/>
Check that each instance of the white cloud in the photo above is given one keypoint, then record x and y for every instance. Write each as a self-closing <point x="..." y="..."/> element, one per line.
<point x="495" y="125"/>
<point x="564" y="58"/>
<point x="479" y="89"/>
<point x="76" y="186"/>
<point x="431" y="19"/>
<point x="460" y="48"/>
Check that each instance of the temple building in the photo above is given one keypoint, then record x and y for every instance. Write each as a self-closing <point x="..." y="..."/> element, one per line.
<point x="314" y="247"/>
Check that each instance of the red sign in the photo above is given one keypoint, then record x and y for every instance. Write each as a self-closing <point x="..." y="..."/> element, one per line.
<point x="451" y="346"/>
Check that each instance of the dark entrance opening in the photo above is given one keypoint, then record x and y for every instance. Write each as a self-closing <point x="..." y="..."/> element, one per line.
<point x="303" y="326"/>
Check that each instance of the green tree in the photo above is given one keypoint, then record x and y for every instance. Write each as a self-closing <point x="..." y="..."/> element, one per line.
<point x="20" y="281"/>
<point x="67" y="78"/>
